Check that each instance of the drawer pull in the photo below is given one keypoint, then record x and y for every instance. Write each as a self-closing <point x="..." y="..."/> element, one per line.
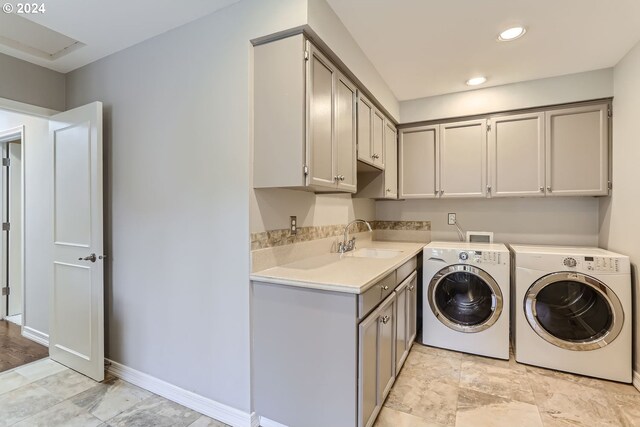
<point x="385" y="287"/>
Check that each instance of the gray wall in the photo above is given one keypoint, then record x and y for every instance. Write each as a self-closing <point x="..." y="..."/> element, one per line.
<point x="29" y="83"/>
<point x="619" y="229"/>
<point x="549" y="221"/>
<point x="177" y="199"/>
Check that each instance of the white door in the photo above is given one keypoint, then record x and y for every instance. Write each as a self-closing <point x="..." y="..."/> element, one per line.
<point x="77" y="299"/>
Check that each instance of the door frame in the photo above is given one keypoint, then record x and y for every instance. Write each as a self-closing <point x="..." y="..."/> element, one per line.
<point x="6" y="136"/>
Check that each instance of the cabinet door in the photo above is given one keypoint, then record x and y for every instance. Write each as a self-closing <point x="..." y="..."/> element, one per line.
<point x="321" y="141"/>
<point x="412" y="308"/>
<point x="516" y="155"/>
<point x="386" y="348"/>
<point x="463" y="154"/>
<point x="391" y="161"/>
<point x="368" y="404"/>
<point x="402" y="304"/>
<point x="577" y="151"/>
<point x="345" y="122"/>
<point x="377" y="146"/>
<point x="418" y="165"/>
<point x="365" y="129"/>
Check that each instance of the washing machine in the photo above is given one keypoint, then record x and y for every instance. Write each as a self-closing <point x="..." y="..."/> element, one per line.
<point x="465" y="297"/>
<point x="572" y="310"/>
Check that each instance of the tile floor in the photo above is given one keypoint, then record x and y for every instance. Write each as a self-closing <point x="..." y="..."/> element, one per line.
<point x="440" y="388"/>
<point x="45" y="393"/>
<point x="436" y="388"/>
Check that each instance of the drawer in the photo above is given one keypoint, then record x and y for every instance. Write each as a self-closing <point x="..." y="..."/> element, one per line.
<point x="406" y="269"/>
<point x="375" y="294"/>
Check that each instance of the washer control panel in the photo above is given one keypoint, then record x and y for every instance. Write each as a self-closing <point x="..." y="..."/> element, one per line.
<point x="593" y="263"/>
<point x="480" y="257"/>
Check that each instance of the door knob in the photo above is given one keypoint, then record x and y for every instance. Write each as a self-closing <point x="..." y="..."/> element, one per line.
<point x="91" y="258"/>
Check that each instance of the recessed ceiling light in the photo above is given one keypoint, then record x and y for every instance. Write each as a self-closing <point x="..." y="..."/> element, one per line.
<point x="511" y="34"/>
<point x="475" y="81"/>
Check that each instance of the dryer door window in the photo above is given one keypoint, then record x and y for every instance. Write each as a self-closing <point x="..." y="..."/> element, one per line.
<point x="574" y="311"/>
<point x="465" y="298"/>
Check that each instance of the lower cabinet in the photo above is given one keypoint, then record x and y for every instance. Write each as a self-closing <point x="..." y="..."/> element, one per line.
<point x="376" y="360"/>
<point x="406" y="306"/>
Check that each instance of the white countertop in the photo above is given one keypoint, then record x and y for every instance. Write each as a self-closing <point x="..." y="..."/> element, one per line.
<point x="341" y="273"/>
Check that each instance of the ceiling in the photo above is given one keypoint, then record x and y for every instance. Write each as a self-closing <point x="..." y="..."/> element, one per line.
<point x="430" y="47"/>
<point x="103" y="26"/>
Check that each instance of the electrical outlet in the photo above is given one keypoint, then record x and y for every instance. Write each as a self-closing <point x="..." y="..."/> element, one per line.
<point x="451" y="219"/>
<point x="293" y="224"/>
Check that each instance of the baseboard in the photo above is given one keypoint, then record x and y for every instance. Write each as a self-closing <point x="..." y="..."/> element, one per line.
<point x="208" y="407"/>
<point x="34" y="335"/>
<point x="266" y="422"/>
<point x="636" y="380"/>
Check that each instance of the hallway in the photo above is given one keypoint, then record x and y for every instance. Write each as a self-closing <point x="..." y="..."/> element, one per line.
<point x="15" y="350"/>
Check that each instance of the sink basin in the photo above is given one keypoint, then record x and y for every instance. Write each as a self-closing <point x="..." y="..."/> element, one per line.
<point x="374" y="253"/>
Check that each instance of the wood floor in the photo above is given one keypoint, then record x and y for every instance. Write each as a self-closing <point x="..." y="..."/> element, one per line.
<point x="15" y="350"/>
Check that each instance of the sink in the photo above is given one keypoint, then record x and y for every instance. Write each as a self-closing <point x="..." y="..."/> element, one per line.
<point x="373" y="253"/>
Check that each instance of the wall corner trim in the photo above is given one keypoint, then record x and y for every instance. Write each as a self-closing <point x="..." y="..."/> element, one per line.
<point x="636" y="380"/>
<point x="208" y="407"/>
<point x="35" y="335"/>
<point x="266" y="422"/>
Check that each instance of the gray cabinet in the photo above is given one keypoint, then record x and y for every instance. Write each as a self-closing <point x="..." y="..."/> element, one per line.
<point x="304" y="119"/>
<point x="418" y="162"/>
<point x="370" y="133"/>
<point x="463" y="159"/>
<point x="406" y="308"/>
<point x="376" y="360"/>
<point x="517" y="155"/>
<point x="391" y="161"/>
<point x="577" y="147"/>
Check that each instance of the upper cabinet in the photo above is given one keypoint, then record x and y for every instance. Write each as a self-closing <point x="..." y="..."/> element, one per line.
<point x="558" y="152"/>
<point x="463" y="159"/>
<point x="577" y="151"/>
<point x="304" y="119"/>
<point x="372" y="182"/>
<point x="370" y="133"/>
<point x="516" y="155"/>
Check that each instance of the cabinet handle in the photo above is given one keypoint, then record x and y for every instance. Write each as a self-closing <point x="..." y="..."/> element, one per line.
<point x="542" y="189"/>
<point x="336" y="178"/>
<point x="341" y="177"/>
<point x="384" y="287"/>
<point x="549" y="189"/>
<point x="385" y="319"/>
<point x="388" y="190"/>
<point x="441" y="192"/>
<point x="411" y="288"/>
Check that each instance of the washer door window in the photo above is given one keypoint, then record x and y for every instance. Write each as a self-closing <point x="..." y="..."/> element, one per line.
<point x="465" y="298"/>
<point x="573" y="311"/>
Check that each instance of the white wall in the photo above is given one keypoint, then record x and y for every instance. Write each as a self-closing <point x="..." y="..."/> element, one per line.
<point x="271" y="208"/>
<point x="177" y="114"/>
<point x="534" y="93"/>
<point x="559" y="221"/>
<point x="38" y="165"/>
<point x="324" y="21"/>
<point x="619" y="228"/>
<point x="29" y="83"/>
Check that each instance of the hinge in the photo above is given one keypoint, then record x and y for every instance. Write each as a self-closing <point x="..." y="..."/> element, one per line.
<point x="6" y="226"/>
<point x="6" y="161"/>
<point x="306" y="55"/>
<point x="609" y="185"/>
<point x="6" y="291"/>
<point x="305" y="169"/>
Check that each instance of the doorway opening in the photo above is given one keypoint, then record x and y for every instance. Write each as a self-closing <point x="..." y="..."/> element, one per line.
<point x="11" y="246"/>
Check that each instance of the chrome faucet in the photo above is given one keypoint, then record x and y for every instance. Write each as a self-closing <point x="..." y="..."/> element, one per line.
<point x="348" y="245"/>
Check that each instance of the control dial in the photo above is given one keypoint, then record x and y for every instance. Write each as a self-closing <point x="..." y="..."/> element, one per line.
<point x="464" y="256"/>
<point x="570" y="262"/>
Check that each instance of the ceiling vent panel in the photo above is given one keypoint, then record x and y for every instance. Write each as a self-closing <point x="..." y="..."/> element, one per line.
<point x="34" y="39"/>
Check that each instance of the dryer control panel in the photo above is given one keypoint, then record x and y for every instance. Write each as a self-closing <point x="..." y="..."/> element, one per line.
<point x="480" y="257"/>
<point x="593" y="263"/>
